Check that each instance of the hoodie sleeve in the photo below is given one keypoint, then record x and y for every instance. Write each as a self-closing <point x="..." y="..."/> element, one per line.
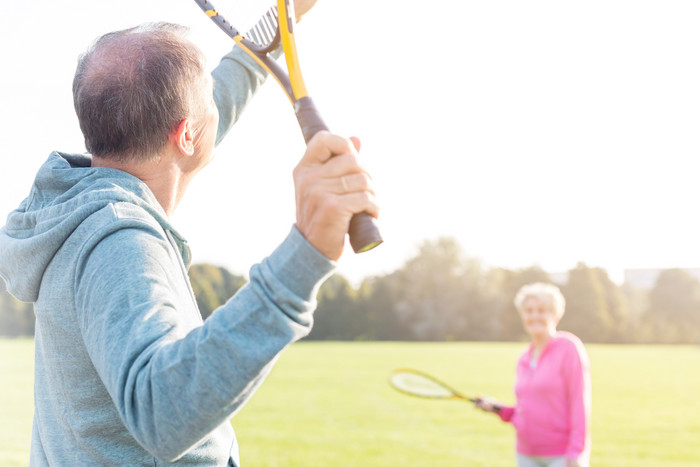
<point x="172" y="378"/>
<point x="506" y="413"/>
<point x="577" y="377"/>
<point x="236" y="79"/>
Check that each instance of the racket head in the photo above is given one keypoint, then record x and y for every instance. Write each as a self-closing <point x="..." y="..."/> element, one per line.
<point x="419" y="384"/>
<point x="291" y="56"/>
<point x="262" y="37"/>
<point x="260" y="34"/>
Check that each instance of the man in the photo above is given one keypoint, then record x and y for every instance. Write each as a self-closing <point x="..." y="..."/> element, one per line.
<point x="126" y="371"/>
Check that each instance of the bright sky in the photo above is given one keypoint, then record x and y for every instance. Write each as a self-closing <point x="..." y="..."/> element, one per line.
<point x="535" y="133"/>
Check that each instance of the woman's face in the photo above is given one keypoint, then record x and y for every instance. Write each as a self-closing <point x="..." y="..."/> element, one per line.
<point x="539" y="319"/>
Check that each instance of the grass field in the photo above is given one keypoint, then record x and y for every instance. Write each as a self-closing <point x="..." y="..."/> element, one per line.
<point x="329" y="404"/>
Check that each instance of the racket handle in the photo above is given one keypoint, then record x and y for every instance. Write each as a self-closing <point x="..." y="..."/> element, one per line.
<point x="309" y="118"/>
<point x="363" y="231"/>
<point x="495" y="407"/>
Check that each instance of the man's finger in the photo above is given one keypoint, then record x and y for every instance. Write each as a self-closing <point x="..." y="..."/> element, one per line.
<point x="325" y="145"/>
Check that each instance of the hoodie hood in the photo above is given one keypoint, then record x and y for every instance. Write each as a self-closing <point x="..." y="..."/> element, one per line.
<point x="66" y="191"/>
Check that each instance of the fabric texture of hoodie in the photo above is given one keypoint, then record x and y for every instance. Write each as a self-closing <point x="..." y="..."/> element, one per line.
<point x="126" y="371"/>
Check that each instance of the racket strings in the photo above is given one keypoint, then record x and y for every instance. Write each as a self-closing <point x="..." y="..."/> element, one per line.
<point x="419" y="385"/>
<point x="265" y="31"/>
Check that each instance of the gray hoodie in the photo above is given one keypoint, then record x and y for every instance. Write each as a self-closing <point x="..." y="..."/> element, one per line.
<point x="126" y="372"/>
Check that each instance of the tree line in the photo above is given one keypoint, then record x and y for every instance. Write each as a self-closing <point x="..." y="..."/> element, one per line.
<point x="441" y="294"/>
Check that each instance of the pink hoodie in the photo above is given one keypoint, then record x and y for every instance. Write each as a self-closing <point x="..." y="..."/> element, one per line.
<point x="553" y="408"/>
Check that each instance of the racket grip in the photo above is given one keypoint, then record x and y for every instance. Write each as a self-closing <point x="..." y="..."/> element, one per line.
<point x="363" y="231"/>
<point x="495" y="407"/>
<point x="309" y="118"/>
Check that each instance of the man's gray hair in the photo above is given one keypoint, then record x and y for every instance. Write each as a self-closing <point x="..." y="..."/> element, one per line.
<point x="133" y="87"/>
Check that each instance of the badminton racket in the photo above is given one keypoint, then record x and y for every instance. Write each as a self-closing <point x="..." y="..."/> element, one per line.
<point x="275" y="27"/>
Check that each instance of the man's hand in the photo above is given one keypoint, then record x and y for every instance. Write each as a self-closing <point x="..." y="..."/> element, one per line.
<point x="301" y="7"/>
<point x="331" y="186"/>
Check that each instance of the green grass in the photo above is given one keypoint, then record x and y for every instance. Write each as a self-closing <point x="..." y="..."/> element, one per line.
<point x="16" y="400"/>
<point x="329" y="404"/>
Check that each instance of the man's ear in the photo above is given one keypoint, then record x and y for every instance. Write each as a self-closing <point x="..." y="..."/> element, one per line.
<point x="183" y="137"/>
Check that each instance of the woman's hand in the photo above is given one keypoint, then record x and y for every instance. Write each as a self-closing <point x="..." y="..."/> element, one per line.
<point x="487" y="404"/>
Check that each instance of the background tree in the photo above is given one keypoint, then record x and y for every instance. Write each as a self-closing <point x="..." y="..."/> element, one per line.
<point x="378" y="301"/>
<point x="615" y="306"/>
<point x="213" y="286"/>
<point x="16" y="318"/>
<point x="339" y="315"/>
<point x="437" y="294"/>
<point x="637" y="300"/>
<point x="674" y="307"/>
<point x="509" y="326"/>
<point x="442" y="294"/>
<point x="587" y="313"/>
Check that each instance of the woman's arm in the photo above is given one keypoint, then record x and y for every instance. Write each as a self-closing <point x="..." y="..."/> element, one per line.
<point x="578" y="381"/>
<point x="488" y="404"/>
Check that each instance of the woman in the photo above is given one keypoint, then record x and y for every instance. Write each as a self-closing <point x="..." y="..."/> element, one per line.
<point x="552" y="386"/>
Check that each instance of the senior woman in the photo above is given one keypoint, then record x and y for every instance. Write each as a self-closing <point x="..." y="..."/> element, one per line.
<point x="552" y="387"/>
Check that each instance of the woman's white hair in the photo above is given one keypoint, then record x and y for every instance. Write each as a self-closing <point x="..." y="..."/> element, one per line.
<point x="548" y="294"/>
